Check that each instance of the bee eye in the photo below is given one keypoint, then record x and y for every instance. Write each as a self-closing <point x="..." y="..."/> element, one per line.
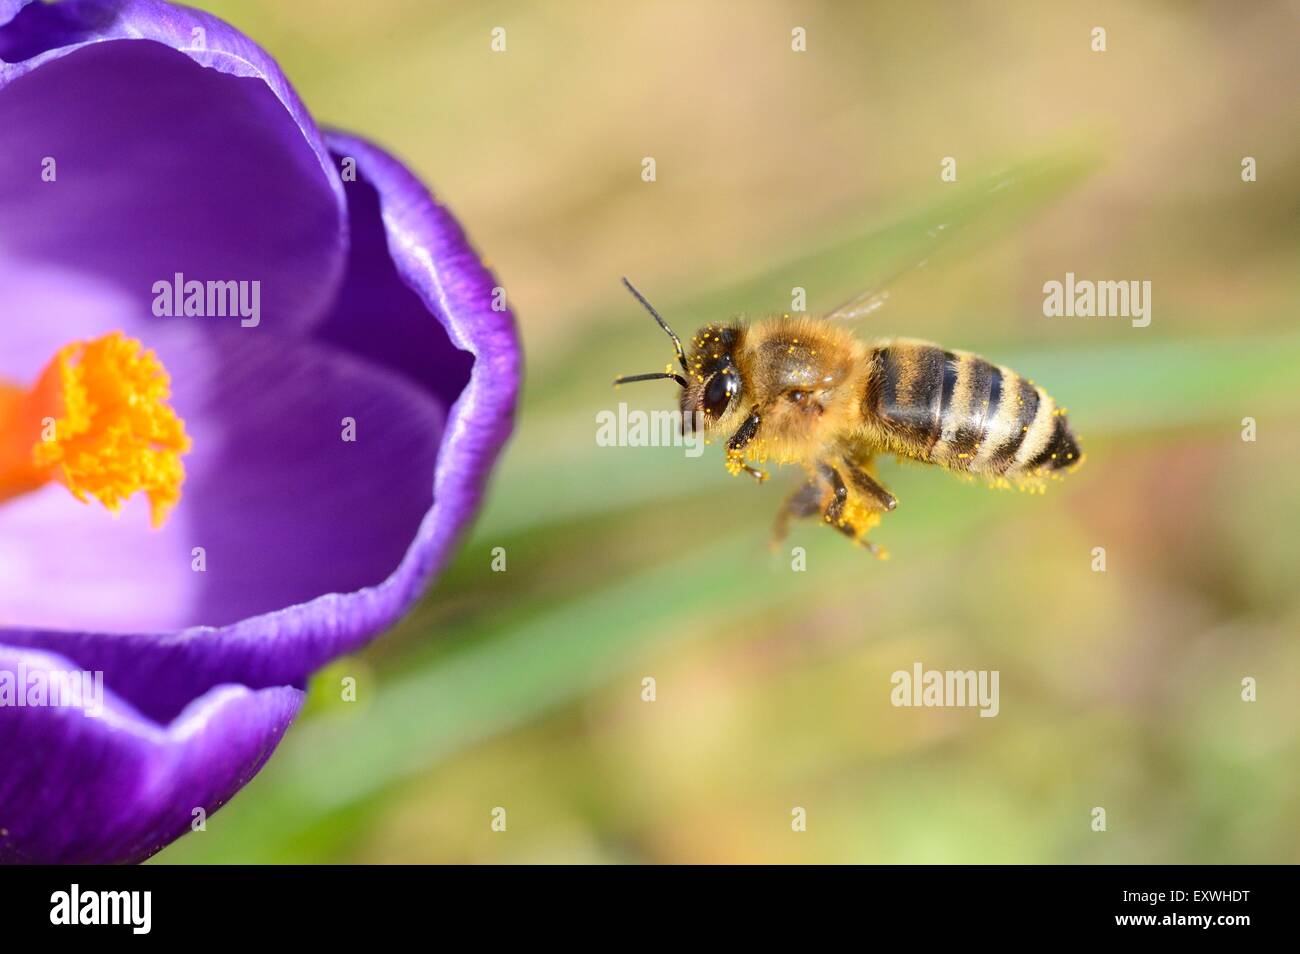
<point x="719" y="392"/>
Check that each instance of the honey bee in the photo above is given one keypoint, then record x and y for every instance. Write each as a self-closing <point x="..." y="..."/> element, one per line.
<point x="806" y="391"/>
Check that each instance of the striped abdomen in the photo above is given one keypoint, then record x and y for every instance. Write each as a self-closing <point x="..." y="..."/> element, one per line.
<point x="955" y="409"/>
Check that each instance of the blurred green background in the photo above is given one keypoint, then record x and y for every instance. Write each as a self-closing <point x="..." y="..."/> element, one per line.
<point x="820" y="169"/>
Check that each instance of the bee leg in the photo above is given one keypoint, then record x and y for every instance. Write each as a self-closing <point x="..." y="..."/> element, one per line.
<point x="805" y="502"/>
<point x="834" y="512"/>
<point x="875" y="549"/>
<point x="736" y="464"/>
<point x="745" y="433"/>
<point x="737" y="443"/>
<point x="869" y="485"/>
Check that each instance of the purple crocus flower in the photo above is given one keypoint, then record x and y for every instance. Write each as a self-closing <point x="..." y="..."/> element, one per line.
<point x="144" y="144"/>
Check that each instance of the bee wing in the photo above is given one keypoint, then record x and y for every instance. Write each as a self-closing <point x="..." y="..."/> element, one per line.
<point x="956" y="218"/>
<point x="875" y="297"/>
<point x="859" y="306"/>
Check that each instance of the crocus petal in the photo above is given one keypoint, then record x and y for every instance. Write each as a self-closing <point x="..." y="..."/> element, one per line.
<point x="377" y="313"/>
<point x="79" y="306"/>
<point x="161" y="165"/>
<point x="117" y="786"/>
<point x="8" y="8"/>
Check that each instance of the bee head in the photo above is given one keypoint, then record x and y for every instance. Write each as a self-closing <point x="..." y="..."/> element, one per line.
<point x="712" y="383"/>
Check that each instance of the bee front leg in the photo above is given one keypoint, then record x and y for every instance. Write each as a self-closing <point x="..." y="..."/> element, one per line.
<point x="736" y="446"/>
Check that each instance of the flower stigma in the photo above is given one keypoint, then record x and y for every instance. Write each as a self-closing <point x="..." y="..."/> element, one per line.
<point x="98" y="421"/>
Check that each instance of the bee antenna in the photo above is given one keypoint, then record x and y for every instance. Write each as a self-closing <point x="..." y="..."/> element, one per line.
<point x="677" y="342"/>
<point x="656" y="376"/>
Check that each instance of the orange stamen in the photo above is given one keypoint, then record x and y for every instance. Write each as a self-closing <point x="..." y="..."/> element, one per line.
<point x="97" y="421"/>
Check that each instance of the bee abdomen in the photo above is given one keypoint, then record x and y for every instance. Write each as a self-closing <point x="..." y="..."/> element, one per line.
<point x="905" y="394"/>
<point x="955" y="409"/>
